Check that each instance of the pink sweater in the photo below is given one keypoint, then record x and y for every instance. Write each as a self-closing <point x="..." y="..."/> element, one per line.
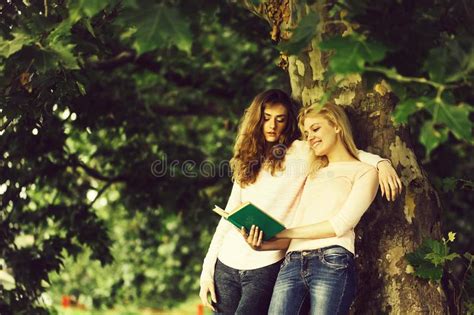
<point x="278" y="195"/>
<point x="340" y="193"/>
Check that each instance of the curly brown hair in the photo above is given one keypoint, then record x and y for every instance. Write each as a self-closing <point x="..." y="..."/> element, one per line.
<point x="251" y="150"/>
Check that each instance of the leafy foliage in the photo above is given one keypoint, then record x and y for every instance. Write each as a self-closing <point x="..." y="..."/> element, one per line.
<point x="353" y="53"/>
<point x="428" y="260"/>
<point x="433" y="260"/>
<point x="96" y="94"/>
<point x="302" y="35"/>
<point x="433" y="60"/>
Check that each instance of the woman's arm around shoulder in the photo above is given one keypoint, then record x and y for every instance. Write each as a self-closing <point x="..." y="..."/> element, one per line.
<point x="390" y="183"/>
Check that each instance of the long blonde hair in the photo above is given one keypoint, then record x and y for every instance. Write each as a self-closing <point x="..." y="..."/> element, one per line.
<point x="251" y="149"/>
<point x="336" y="116"/>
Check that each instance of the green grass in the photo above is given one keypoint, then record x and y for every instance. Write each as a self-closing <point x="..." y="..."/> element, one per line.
<point x="189" y="307"/>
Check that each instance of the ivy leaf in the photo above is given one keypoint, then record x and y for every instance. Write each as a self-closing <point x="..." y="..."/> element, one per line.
<point x="436" y="64"/>
<point x="408" y="107"/>
<point x="9" y="47"/>
<point x="65" y="55"/>
<point x="437" y="247"/>
<point x="452" y="256"/>
<point x="373" y="51"/>
<point x="449" y="63"/>
<point x="302" y="35"/>
<point x="456" y="118"/>
<point x="431" y="137"/>
<point x="88" y="8"/>
<point x="420" y="260"/>
<point x="429" y="271"/>
<point x="352" y="53"/>
<point x="157" y="27"/>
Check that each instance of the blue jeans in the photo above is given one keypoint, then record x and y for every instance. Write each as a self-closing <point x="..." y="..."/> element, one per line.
<point x="244" y="291"/>
<point x="325" y="275"/>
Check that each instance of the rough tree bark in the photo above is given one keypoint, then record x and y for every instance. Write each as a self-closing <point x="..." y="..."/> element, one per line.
<point x="388" y="230"/>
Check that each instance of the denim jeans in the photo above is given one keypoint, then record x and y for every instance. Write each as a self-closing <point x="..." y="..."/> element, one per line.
<point x="244" y="291"/>
<point x="325" y="275"/>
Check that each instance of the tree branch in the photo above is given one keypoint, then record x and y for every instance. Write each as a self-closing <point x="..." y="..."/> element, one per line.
<point x="74" y="160"/>
<point x="5" y="125"/>
<point x="146" y="61"/>
<point x="101" y="191"/>
<point x="201" y="110"/>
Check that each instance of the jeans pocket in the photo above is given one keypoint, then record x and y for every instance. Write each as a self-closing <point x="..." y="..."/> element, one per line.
<point x="337" y="261"/>
<point x="285" y="261"/>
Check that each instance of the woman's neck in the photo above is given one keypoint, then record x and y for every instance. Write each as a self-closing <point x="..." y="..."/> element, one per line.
<point x="340" y="154"/>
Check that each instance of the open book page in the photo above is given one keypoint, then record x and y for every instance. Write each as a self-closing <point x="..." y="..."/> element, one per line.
<point x="221" y="212"/>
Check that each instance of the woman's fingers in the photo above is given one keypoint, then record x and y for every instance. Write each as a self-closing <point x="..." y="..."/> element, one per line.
<point x="400" y="186"/>
<point x="213" y="295"/>
<point x="385" y="189"/>
<point x="203" y="294"/>
<point x="260" y="239"/>
<point x="255" y="235"/>
<point x="382" y="189"/>
<point x="393" y="188"/>
<point x="243" y="232"/>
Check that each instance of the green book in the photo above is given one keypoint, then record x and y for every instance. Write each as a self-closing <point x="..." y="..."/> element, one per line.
<point x="247" y="215"/>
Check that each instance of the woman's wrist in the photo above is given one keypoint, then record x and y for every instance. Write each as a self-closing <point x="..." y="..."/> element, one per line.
<point x="283" y="234"/>
<point x="382" y="162"/>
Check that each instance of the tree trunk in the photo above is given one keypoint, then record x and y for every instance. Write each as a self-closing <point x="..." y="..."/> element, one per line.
<point x="388" y="230"/>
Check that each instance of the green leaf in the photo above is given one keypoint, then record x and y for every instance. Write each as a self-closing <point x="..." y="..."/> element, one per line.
<point x="399" y="89"/>
<point x="352" y="53"/>
<point x="87" y="23"/>
<point x="302" y="35"/>
<point x="44" y="60"/>
<point x="436" y="64"/>
<point x="9" y="47"/>
<point x="437" y="247"/>
<point x="373" y="51"/>
<point x="431" y="137"/>
<point x="158" y="27"/>
<point x="421" y="258"/>
<point x="406" y="108"/>
<point x="429" y="271"/>
<point x="452" y="256"/>
<point x="65" y="55"/>
<point x="450" y="62"/>
<point x="435" y="258"/>
<point x="456" y="118"/>
<point x="449" y="184"/>
<point x="88" y="8"/>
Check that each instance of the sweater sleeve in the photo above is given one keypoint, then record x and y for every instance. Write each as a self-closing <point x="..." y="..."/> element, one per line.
<point x="207" y="274"/>
<point x="370" y="158"/>
<point x="361" y="196"/>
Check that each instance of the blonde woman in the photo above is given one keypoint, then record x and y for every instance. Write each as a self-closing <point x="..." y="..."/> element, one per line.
<point x="269" y="168"/>
<point x="319" y="262"/>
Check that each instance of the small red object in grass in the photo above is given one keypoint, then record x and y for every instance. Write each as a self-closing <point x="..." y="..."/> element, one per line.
<point x="66" y="301"/>
<point x="200" y="309"/>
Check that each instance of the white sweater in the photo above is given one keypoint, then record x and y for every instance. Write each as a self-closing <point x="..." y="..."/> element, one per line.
<point x="279" y="196"/>
<point x="340" y="193"/>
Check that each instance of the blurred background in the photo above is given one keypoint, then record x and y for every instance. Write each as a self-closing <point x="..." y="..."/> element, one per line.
<point x="115" y="141"/>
